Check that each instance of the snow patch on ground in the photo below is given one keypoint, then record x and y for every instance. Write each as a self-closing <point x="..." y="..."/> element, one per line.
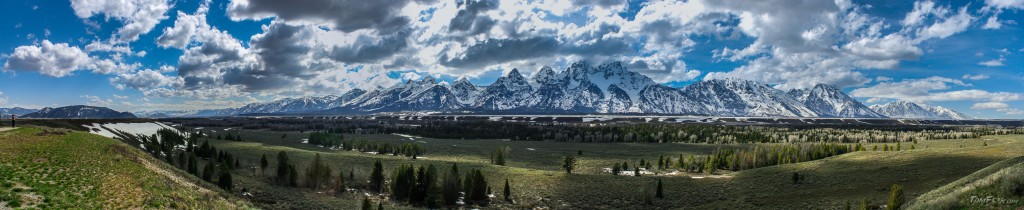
<point x="136" y="128"/>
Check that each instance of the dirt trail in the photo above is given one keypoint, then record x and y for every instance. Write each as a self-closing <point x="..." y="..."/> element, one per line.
<point x="6" y="129"/>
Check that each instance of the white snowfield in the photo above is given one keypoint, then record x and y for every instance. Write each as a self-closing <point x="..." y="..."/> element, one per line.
<point x="136" y="128"/>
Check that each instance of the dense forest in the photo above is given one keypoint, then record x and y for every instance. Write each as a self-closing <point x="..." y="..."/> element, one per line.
<point x="623" y="132"/>
<point x="693" y="133"/>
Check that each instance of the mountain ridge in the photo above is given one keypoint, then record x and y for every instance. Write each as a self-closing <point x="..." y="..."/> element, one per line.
<point x="911" y="110"/>
<point x="585" y="89"/>
<point x="16" y="111"/>
<point x="79" y="111"/>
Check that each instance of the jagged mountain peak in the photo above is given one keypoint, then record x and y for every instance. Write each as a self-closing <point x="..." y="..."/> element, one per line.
<point x="461" y="81"/>
<point x="428" y="79"/>
<point x="464" y="91"/>
<point x="544" y="76"/>
<point x="829" y="101"/>
<point x="579" y="65"/>
<point x="733" y="97"/>
<point x="615" y="66"/>
<point x="544" y="73"/>
<point x="825" y="87"/>
<point x="515" y="75"/>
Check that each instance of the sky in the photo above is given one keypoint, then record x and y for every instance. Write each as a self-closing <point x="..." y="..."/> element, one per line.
<point x="144" y="55"/>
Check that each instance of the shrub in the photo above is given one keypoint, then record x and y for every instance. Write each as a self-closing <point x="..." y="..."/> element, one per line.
<point x="896" y="198"/>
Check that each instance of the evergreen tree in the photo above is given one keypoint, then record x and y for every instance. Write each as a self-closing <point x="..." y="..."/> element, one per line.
<point x="450" y="191"/>
<point x="293" y="176"/>
<point x="263" y="164"/>
<point x="616" y="169"/>
<point x="380" y="206"/>
<point x="282" y="167"/>
<point x="661" y="162"/>
<point x="224" y="181"/>
<point x="403" y="182"/>
<point x="182" y="161"/>
<point x="339" y="184"/>
<point x="467" y="186"/>
<point x="318" y="173"/>
<point x="636" y="171"/>
<point x="193" y="167"/>
<point x="896" y="198"/>
<point x="499" y="156"/>
<point x="208" y="172"/>
<point x="366" y="204"/>
<point x="569" y="163"/>
<point x="352" y="175"/>
<point x="432" y="192"/>
<point x="507" y="192"/>
<point x="659" y="193"/>
<point x="478" y="194"/>
<point x="377" y="177"/>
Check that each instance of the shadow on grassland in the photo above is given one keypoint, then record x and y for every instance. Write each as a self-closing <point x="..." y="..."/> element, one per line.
<point x="828" y="183"/>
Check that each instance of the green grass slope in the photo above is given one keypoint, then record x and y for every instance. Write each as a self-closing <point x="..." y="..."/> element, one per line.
<point x="999" y="186"/>
<point x="43" y="168"/>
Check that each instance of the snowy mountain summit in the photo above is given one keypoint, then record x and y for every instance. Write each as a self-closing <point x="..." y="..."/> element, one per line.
<point x="829" y="101"/>
<point x="911" y="110"/>
<point x="585" y="89"/>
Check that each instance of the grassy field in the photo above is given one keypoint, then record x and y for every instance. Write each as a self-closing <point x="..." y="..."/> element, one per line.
<point x="998" y="186"/>
<point x="537" y="180"/>
<point x="60" y="169"/>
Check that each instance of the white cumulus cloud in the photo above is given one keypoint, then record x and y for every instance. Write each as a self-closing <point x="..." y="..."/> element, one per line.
<point x="138" y="16"/>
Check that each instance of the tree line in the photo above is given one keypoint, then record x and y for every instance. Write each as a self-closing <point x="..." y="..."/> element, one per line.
<point x="178" y="149"/>
<point x="421" y="186"/>
<point x="694" y="133"/>
<point x="337" y="141"/>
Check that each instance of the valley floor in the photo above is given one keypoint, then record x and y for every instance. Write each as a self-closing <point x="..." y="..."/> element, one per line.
<point x="537" y="180"/>
<point x="44" y="169"/>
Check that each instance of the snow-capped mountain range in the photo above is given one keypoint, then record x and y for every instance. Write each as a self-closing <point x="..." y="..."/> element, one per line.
<point x="911" y="110"/>
<point x="586" y="89"/>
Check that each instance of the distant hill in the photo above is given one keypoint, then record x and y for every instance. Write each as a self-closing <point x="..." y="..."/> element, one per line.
<point x="78" y="112"/>
<point x="17" y="111"/>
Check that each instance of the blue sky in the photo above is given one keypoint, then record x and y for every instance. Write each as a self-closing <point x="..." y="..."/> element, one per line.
<point x="173" y="55"/>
